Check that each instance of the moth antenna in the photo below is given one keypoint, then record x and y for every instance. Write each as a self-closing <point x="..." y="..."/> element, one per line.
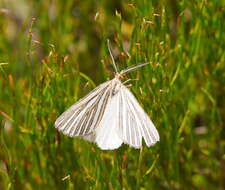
<point x="113" y="61"/>
<point x="133" y="68"/>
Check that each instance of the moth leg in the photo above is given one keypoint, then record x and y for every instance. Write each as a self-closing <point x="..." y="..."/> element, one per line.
<point x="128" y="81"/>
<point x="128" y="85"/>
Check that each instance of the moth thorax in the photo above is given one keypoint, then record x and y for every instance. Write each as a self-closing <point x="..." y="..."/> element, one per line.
<point x="116" y="87"/>
<point x="118" y="76"/>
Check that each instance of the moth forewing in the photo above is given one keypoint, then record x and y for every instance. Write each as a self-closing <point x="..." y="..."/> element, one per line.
<point x="134" y="123"/>
<point x="74" y="121"/>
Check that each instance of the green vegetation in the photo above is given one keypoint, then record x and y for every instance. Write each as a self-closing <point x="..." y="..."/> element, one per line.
<point x="54" y="52"/>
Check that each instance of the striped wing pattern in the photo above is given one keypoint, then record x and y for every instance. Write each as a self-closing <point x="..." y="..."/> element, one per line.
<point x="84" y="116"/>
<point x="134" y="123"/>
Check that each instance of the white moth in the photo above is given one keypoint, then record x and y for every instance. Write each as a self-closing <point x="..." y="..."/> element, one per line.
<point x="109" y="116"/>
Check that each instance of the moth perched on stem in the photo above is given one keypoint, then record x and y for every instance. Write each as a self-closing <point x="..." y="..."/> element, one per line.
<point x="109" y="116"/>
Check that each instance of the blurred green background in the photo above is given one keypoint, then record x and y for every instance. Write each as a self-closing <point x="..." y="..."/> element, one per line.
<point x="54" y="52"/>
